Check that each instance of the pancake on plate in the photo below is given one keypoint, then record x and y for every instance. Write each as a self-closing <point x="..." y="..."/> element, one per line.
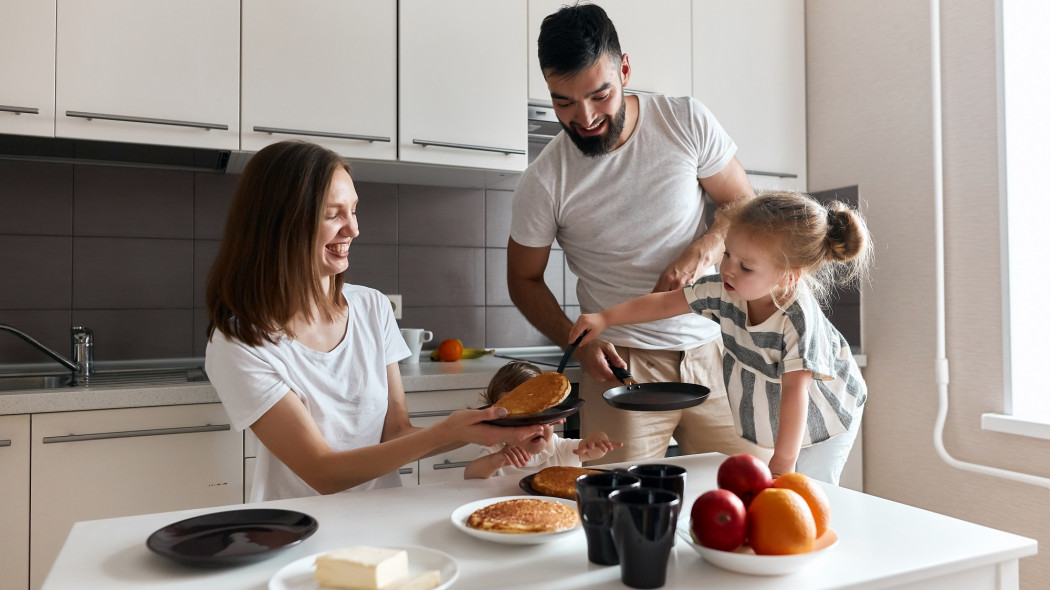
<point x="543" y="391"/>
<point x="559" y="481"/>
<point x="524" y="515"/>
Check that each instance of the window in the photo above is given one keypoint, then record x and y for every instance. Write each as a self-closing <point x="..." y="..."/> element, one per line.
<point x="1024" y="156"/>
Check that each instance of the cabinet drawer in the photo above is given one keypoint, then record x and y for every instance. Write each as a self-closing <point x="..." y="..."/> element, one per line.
<point x="127" y="462"/>
<point x="430" y="404"/>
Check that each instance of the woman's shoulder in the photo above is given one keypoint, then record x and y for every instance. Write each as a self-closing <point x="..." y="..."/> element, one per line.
<point x="362" y="293"/>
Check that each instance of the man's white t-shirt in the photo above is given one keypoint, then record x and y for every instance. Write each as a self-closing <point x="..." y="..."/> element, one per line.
<point x="344" y="390"/>
<point x="623" y="217"/>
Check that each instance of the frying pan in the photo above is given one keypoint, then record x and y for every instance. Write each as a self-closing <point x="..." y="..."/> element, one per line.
<point x="646" y="397"/>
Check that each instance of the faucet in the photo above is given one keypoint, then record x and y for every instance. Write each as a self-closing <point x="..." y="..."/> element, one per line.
<point x="83" y="344"/>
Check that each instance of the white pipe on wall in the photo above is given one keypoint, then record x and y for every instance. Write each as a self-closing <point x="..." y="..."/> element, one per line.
<point x="941" y="362"/>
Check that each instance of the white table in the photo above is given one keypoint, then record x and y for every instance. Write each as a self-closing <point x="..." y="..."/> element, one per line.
<point x="882" y="545"/>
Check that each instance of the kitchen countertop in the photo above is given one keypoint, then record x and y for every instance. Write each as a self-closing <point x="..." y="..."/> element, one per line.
<point x="425" y="376"/>
<point x="882" y="544"/>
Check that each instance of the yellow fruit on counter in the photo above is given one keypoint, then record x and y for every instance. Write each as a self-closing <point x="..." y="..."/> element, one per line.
<point x="468" y="353"/>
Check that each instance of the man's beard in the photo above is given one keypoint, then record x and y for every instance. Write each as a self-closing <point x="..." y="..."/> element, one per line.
<point x="599" y="145"/>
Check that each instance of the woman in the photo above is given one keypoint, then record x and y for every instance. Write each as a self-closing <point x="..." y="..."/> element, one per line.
<point x="305" y="361"/>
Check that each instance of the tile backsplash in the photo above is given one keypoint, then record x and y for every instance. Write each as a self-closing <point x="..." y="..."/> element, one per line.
<point x="126" y="252"/>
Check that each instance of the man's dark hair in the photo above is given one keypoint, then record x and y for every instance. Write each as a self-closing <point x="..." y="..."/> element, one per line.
<point x="574" y="38"/>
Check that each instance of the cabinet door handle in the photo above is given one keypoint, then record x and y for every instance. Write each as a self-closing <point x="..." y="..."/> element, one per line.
<point x="463" y="146"/>
<point x="5" y="443"/>
<point x="278" y="130"/>
<point x="405" y="471"/>
<point x="777" y="174"/>
<point x="83" y="115"/>
<point x="451" y="465"/>
<point x="19" y="110"/>
<point x="430" y="414"/>
<point x="134" y="433"/>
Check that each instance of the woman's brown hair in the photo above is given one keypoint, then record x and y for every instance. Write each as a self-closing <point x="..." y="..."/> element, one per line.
<point x="266" y="269"/>
<point x="829" y="244"/>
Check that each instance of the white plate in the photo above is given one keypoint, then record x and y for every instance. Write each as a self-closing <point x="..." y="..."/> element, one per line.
<point x="459" y="520"/>
<point x="744" y="560"/>
<point x="299" y="574"/>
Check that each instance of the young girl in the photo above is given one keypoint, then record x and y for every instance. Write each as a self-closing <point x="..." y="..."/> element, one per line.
<point x="793" y="384"/>
<point x="544" y="450"/>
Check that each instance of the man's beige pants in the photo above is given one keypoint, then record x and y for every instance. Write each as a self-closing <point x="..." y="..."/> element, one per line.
<point x="645" y="435"/>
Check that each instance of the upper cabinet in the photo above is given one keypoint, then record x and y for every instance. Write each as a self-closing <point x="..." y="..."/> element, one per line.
<point x="320" y="70"/>
<point x="656" y="37"/>
<point x="749" y="68"/>
<point x="158" y="72"/>
<point x="27" y="67"/>
<point x="462" y="83"/>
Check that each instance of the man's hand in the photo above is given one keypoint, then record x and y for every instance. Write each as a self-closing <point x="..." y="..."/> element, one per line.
<point x="595" y="358"/>
<point x="691" y="263"/>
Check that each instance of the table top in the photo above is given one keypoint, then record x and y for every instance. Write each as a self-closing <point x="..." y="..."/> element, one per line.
<point x="881" y="544"/>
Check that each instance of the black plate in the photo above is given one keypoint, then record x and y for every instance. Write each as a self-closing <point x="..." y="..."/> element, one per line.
<point x="232" y="537"/>
<point x="550" y="415"/>
<point x="655" y="397"/>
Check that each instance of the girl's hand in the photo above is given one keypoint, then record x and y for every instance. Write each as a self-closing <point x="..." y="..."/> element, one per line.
<point x="591" y="323"/>
<point x="779" y="465"/>
<point x="516" y="456"/>
<point x="595" y="446"/>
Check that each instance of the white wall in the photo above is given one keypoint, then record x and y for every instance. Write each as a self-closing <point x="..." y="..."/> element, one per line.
<point x="870" y="123"/>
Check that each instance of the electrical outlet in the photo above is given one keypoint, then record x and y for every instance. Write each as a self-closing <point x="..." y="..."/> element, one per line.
<point x="395" y="302"/>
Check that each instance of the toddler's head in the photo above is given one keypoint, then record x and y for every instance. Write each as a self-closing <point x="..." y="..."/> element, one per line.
<point x="829" y="245"/>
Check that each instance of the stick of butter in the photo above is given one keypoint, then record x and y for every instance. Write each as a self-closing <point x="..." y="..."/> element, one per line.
<point x="427" y="580"/>
<point x="361" y="568"/>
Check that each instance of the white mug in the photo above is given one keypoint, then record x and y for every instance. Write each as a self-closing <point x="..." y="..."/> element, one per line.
<point x="415" y="337"/>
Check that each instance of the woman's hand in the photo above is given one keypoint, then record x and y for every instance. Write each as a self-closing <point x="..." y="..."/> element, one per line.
<point x="468" y="426"/>
<point x="595" y="446"/>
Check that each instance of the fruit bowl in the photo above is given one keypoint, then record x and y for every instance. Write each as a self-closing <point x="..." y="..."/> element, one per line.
<point x="744" y="560"/>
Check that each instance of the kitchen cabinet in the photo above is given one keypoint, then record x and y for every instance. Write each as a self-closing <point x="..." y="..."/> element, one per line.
<point x="160" y="72"/>
<point x="27" y="67"/>
<point x="749" y="68"/>
<point x="320" y="70"/>
<point x="462" y="83"/>
<point x="107" y="463"/>
<point x="656" y="36"/>
<point x="426" y="408"/>
<point x="14" y="502"/>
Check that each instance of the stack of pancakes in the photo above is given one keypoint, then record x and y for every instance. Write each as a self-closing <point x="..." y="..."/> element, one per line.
<point x="558" y="481"/>
<point x="539" y="393"/>
<point x="524" y="515"/>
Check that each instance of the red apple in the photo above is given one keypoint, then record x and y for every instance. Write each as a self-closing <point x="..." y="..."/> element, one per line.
<point x="744" y="475"/>
<point x="719" y="520"/>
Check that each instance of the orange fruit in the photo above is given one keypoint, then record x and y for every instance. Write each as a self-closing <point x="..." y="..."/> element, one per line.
<point x="779" y="522"/>
<point x="812" y="493"/>
<point x="450" y="350"/>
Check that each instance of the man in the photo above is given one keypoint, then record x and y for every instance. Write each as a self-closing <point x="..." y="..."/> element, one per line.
<point x="622" y="191"/>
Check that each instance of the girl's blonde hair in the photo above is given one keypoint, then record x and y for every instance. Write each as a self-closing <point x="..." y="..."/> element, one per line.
<point x="508" y="377"/>
<point x="829" y="244"/>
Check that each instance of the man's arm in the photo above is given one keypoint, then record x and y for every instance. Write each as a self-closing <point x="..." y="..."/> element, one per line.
<point x="728" y="184"/>
<point x="534" y="299"/>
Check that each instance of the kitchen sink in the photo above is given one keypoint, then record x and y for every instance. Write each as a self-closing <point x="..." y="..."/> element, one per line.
<point x="115" y="378"/>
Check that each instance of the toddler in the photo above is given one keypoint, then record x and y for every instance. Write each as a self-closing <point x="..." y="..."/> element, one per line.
<point x="544" y="450"/>
<point x="792" y="382"/>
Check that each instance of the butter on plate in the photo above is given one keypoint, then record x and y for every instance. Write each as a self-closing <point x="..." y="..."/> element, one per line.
<point x="371" y="568"/>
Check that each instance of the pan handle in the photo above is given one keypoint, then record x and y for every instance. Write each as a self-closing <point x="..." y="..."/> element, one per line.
<point x="623" y="375"/>
<point x="568" y="353"/>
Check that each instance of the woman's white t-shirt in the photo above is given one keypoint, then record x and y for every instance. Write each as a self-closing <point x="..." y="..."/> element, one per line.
<point x="344" y="390"/>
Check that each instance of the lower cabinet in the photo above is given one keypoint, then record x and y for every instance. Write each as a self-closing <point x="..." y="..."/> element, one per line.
<point x="426" y="408"/>
<point x="109" y="463"/>
<point x="14" y="502"/>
